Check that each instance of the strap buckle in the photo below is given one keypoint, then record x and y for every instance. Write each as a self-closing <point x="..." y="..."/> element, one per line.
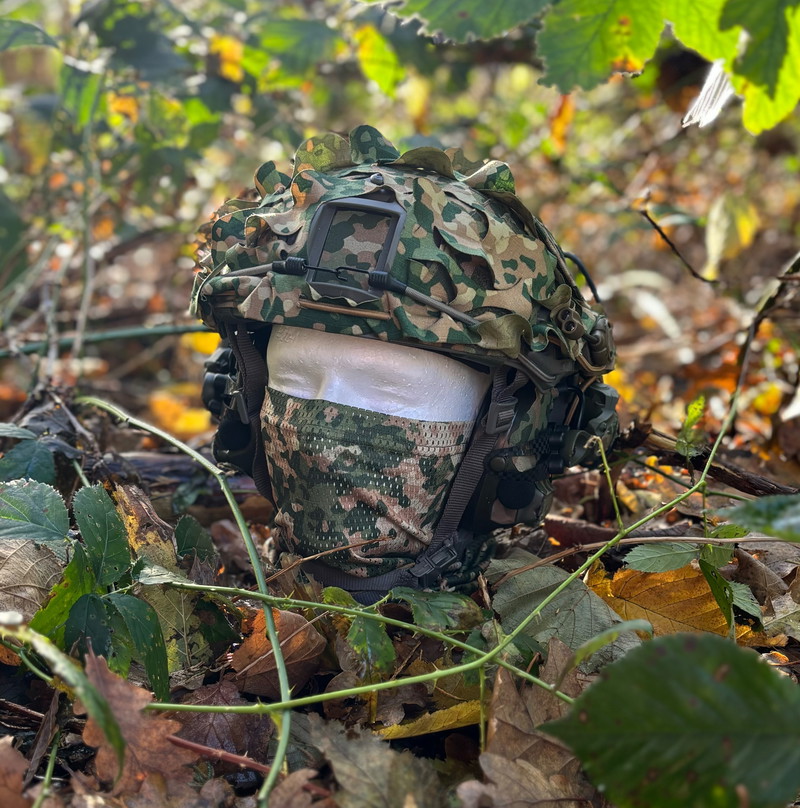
<point x="500" y="416"/>
<point x="429" y="568"/>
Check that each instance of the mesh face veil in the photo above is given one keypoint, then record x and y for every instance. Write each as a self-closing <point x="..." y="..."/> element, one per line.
<point x="426" y="250"/>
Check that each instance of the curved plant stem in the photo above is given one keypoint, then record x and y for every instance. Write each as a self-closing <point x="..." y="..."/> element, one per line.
<point x="48" y="775"/>
<point x="284" y="724"/>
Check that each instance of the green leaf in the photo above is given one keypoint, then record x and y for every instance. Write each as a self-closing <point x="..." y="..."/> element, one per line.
<point x="33" y="510"/>
<point x="661" y="557"/>
<point x="688" y="721"/>
<point x="339" y="597"/>
<point x="29" y="460"/>
<point x="767" y="73"/>
<point x="14" y="431"/>
<point x="744" y="599"/>
<point x="103" y="534"/>
<point x="144" y="630"/>
<point x="89" y="626"/>
<point x="440" y="610"/>
<point x="368" y="638"/>
<point x="192" y="537"/>
<point x="469" y="19"/>
<point x="377" y="59"/>
<point x="585" y="41"/>
<point x="715" y="555"/>
<point x="77" y="580"/>
<point x="80" y="91"/>
<point x="17" y="34"/>
<point x="576" y="615"/>
<point x="778" y="515"/>
<point x="689" y="440"/>
<point x="696" y="24"/>
<point x="721" y="590"/>
<point x="729" y="532"/>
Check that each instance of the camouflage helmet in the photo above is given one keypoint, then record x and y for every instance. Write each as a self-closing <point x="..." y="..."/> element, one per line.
<point x="428" y="250"/>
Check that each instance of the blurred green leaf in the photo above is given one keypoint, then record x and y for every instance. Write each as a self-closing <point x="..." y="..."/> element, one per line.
<point x="469" y="19"/>
<point x="689" y="441"/>
<point x="661" y="557"/>
<point x="377" y="59"/>
<point x="14" y="431"/>
<point x="33" y="510"/>
<point x="17" y="34"/>
<point x="80" y="93"/>
<point x="584" y="41"/>
<point x="147" y="640"/>
<point x="704" y="721"/>
<point x="103" y="534"/>
<point x="777" y="515"/>
<point x="696" y="24"/>
<point x="28" y="460"/>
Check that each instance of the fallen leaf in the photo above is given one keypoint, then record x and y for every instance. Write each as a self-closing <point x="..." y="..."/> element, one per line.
<point x="291" y="791"/>
<point x="455" y="717"/>
<point x="28" y="571"/>
<point x="232" y="732"/>
<point x="149" y="536"/>
<point x="147" y="749"/>
<point x="370" y="773"/>
<point x="12" y="769"/>
<point x="254" y="662"/>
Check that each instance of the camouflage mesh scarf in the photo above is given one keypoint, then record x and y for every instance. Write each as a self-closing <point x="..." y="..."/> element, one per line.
<point x="342" y="475"/>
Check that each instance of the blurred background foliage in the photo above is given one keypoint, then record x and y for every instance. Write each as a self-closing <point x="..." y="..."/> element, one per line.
<point x="124" y="124"/>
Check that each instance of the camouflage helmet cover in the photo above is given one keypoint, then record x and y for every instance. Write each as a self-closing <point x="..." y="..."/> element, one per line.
<point x="466" y="240"/>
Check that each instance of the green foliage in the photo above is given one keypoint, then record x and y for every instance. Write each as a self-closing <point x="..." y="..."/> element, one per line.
<point x="103" y="534"/>
<point x="777" y="515"/>
<point x="661" y="557"/>
<point x="690" y="441"/>
<point x="703" y="722"/>
<point x="440" y="611"/>
<point x="33" y="510"/>
<point x="30" y="460"/>
<point x="192" y="538"/>
<point x="16" y="34"/>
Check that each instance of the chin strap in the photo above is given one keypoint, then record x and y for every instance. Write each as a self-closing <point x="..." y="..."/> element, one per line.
<point x="450" y="543"/>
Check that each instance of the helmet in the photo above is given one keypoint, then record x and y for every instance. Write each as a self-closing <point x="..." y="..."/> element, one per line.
<point x="427" y="250"/>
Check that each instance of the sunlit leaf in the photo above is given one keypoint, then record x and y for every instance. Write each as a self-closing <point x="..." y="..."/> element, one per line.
<point x="377" y="59"/>
<point x="733" y="222"/>
<point x="696" y="24"/>
<point x="103" y="533"/>
<point x="689" y="441"/>
<point x="689" y="721"/>
<point x="470" y="19"/>
<point x="661" y="557"/>
<point x="584" y="41"/>
<point x="776" y="515"/>
<point x="17" y="34"/>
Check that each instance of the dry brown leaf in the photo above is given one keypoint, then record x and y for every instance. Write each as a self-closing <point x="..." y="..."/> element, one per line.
<point x="232" y="732"/>
<point x="12" y="769"/>
<point x="254" y="662"/>
<point x="147" y="750"/>
<point x="28" y="571"/>
<point x="678" y="600"/>
<point x="291" y="792"/>
<point x="455" y="717"/>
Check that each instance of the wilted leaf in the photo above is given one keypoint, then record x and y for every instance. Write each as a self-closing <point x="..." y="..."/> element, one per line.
<point x="149" y="537"/>
<point x="369" y="772"/>
<point x="575" y="616"/>
<point x="13" y="766"/>
<point x="584" y="41"/>
<point x="232" y="732"/>
<point x="103" y="534"/>
<point x="679" y="600"/>
<point x="777" y="515"/>
<point x="147" y="750"/>
<point x="440" y="611"/>
<point x="459" y="715"/>
<point x="254" y="662"/>
<point x="28" y="571"/>
<point x="703" y="723"/>
<point x="33" y="510"/>
<point x="29" y="460"/>
<point x="661" y="557"/>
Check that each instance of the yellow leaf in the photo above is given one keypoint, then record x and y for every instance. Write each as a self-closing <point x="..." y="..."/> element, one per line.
<point x="125" y="105"/>
<point x="148" y="536"/>
<point x="204" y="342"/>
<point x="230" y="52"/>
<point x="172" y="409"/>
<point x="732" y="225"/>
<point x="678" y="600"/>
<point x="769" y="399"/>
<point x="459" y="715"/>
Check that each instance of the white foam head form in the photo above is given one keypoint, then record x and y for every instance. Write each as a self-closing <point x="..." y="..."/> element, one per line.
<point x="373" y="375"/>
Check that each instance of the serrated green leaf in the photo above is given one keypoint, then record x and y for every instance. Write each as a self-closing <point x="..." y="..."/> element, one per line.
<point x="440" y="610"/>
<point x="777" y="515"/>
<point x="715" y="555"/>
<point x="729" y="532"/>
<point x="192" y="537"/>
<point x="377" y="59"/>
<point x="29" y="460"/>
<point x="689" y="440"/>
<point x="339" y="597"/>
<point x="89" y="626"/>
<point x="368" y="638"/>
<point x="744" y="599"/>
<point x="17" y="34"/>
<point x="144" y="630"/>
<point x="720" y="589"/>
<point x="661" y="557"/>
<point x="103" y="534"/>
<point x="14" y="431"/>
<point x="696" y="24"/>
<point x="469" y="19"/>
<point x="33" y="510"/>
<point x="584" y="41"/>
<point x="77" y="580"/>
<point x="576" y="615"/>
<point x="704" y="721"/>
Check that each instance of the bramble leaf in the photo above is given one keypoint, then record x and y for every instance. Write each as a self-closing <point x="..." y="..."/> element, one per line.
<point x="29" y="460"/>
<point x="33" y="510"/>
<point x="777" y="515"/>
<point x="661" y="557"/>
<point x="103" y="533"/>
<point x="17" y="34"/>
<point x="440" y="610"/>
